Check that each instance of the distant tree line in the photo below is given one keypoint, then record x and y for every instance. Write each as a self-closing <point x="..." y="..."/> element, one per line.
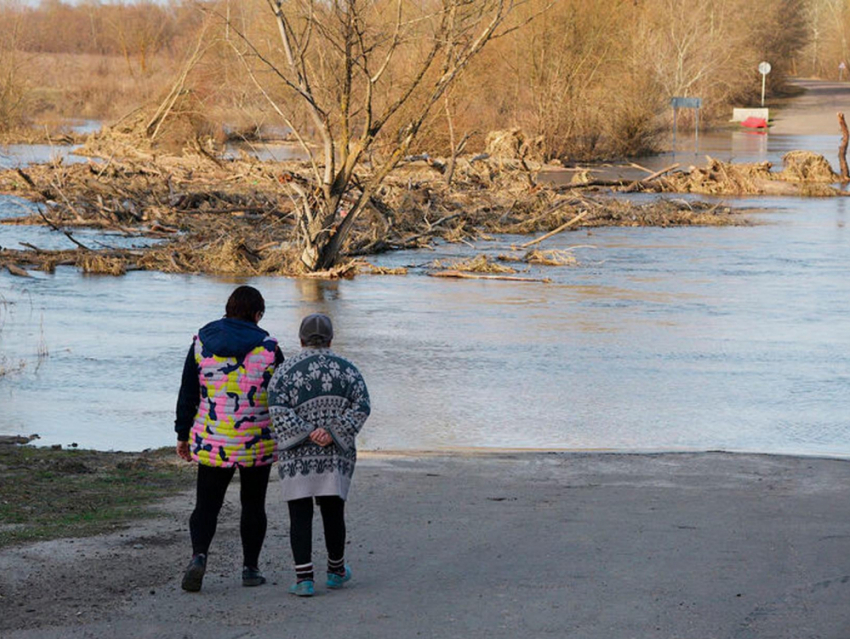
<point x="133" y="30"/>
<point x="587" y="78"/>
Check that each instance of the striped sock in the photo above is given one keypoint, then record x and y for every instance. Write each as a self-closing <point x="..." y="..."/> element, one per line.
<point x="336" y="566"/>
<point x="304" y="572"/>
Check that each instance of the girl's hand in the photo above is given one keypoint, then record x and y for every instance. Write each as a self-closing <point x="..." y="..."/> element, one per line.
<point x="183" y="451"/>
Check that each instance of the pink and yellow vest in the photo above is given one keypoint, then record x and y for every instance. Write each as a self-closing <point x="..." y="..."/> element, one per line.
<point x="232" y="423"/>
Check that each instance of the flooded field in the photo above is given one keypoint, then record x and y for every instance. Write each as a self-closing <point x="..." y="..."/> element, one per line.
<point x="732" y="338"/>
<point x="737" y="145"/>
<point x="19" y="155"/>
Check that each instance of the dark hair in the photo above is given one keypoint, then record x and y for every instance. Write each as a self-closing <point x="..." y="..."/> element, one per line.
<point x="244" y="303"/>
<point x="316" y="341"/>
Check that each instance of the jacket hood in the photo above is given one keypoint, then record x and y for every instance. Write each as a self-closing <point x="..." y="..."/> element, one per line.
<point x="231" y="337"/>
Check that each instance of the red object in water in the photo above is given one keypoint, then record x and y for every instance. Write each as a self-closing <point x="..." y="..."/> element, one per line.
<point x="754" y="123"/>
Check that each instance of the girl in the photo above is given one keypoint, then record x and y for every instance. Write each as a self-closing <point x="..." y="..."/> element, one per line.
<point x="223" y="406"/>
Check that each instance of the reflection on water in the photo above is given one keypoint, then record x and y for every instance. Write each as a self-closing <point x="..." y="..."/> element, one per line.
<point x="85" y="126"/>
<point x="20" y="155"/>
<point x="317" y="291"/>
<point x="15" y="236"/>
<point x="742" y="145"/>
<point x="678" y="338"/>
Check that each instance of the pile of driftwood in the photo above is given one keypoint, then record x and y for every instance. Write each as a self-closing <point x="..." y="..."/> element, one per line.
<point x="803" y="174"/>
<point x="209" y="215"/>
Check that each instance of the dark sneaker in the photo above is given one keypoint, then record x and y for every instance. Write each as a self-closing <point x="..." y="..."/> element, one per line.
<point x="252" y="577"/>
<point x="194" y="575"/>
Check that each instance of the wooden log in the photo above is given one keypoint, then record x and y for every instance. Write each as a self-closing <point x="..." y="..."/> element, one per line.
<point x="12" y="440"/>
<point x="842" y="148"/>
<point x="433" y="228"/>
<point x="563" y="227"/>
<point x="17" y="271"/>
<point x="638" y="166"/>
<point x="649" y="178"/>
<point x="26" y="178"/>
<point x="67" y="234"/>
<point x="248" y="210"/>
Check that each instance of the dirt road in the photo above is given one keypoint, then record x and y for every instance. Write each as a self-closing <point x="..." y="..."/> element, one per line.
<point x="691" y="546"/>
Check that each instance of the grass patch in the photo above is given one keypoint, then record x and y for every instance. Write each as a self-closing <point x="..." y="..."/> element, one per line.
<point x="73" y="493"/>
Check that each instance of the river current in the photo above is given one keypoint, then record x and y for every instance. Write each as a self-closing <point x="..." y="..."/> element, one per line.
<point x="732" y="338"/>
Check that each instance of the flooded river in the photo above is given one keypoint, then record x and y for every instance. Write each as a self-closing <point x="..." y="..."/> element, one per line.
<point x="731" y="338"/>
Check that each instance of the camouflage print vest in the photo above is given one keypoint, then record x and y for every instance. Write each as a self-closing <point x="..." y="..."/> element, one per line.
<point x="232" y="423"/>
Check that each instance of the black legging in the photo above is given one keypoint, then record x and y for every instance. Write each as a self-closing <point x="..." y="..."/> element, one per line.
<point x="301" y="527"/>
<point x="212" y="486"/>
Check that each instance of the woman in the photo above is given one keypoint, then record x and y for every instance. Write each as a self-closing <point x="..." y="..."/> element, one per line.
<point x="318" y="403"/>
<point x="223" y="405"/>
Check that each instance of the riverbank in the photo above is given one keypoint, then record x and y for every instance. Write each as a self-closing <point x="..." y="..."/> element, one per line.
<point x="690" y="546"/>
<point x="49" y="493"/>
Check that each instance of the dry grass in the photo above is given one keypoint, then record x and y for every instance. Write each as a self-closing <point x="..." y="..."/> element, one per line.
<point x="805" y="166"/>
<point x="371" y="269"/>
<point x="92" y="86"/>
<point x="60" y="493"/>
<point x="543" y="257"/>
<point x="9" y="367"/>
<point x="96" y="264"/>
<point x="804" y="174"/>
<point x="477" y="264"/>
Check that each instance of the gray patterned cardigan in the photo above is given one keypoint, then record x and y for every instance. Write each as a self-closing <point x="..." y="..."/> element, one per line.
<point x="316" y="389"/>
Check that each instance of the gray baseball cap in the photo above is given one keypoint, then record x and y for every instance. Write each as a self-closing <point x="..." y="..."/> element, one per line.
<point x="316" y="325"/>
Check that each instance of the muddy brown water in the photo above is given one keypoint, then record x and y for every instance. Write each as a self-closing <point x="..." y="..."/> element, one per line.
<point x="733" y="338"/>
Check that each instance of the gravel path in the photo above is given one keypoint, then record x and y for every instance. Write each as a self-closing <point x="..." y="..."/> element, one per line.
<point x="608" y="546"/>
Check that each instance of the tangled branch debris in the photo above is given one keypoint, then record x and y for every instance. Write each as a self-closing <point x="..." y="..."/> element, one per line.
<point x="477" y="264"/>
<point x="803" y="174"/>
<point x="549" y="257"/>
<point x="198" y="214"/>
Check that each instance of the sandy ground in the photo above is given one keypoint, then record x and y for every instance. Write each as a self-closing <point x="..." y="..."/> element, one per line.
<point x="601" y="546"/>
<point x="813" y="113"/>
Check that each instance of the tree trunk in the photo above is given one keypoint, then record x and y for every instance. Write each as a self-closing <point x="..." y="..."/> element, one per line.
<point x="319" y="253"/>
<point x="842" y="149"/>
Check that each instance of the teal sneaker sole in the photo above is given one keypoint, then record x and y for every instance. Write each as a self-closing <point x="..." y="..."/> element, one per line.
<point x="335" y="581"/>
<point x="302" y="589"/>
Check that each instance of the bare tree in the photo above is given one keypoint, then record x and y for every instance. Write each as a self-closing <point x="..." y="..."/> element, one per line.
<point x="138" y="30"/>
<point x="13" y="72"/>
<point x="367" y="83"/>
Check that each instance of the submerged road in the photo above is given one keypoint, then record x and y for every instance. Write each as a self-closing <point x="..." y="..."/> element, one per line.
<point x="591" y="546"/>
<point x="814" y="112"/>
